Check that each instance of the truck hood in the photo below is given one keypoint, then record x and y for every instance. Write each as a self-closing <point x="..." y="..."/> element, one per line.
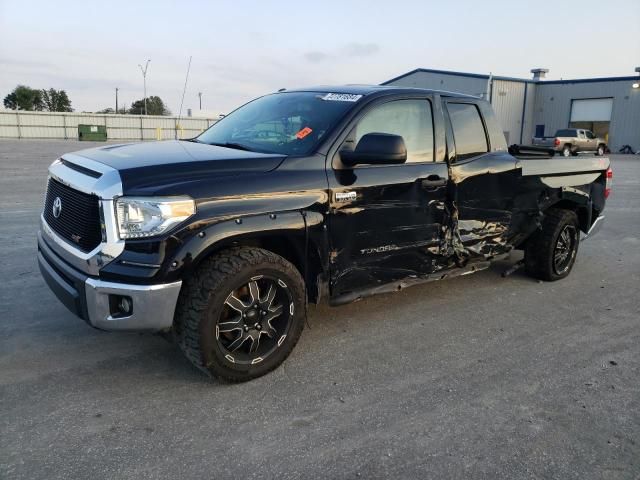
<point x="146" y="167"/>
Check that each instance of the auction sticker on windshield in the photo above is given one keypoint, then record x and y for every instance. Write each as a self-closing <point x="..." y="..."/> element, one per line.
<point x="341" y="97"/>
<point x="303" y="133"/>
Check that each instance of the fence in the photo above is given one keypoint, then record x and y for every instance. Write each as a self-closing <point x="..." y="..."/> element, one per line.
<point x="21" y="124"/>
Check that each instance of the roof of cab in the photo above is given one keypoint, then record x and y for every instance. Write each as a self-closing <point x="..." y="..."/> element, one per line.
<point x="367" y="90"/>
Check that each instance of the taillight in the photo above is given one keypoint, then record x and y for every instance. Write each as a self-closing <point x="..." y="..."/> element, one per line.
<point x="607" y="186"/>
<point x="556" y="142"/>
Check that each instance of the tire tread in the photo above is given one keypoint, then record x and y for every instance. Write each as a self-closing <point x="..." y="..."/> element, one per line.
<point x="540" y="246"/>
<point x="193" y="302"/>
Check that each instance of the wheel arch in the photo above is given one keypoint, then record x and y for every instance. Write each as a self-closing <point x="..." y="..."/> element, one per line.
<point x="294" y="236"/>
<point x="580" y="205"/>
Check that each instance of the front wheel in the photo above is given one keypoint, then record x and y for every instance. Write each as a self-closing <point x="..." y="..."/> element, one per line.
<point x="241" y="313"/>
<point x="551" y="252"/>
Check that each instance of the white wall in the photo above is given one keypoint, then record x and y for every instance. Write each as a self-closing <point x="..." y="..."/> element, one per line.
<point x="21" y="124"/>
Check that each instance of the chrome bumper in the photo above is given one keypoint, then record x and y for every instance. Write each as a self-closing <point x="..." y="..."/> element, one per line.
<point x="153" y="306"/>
<point x="595" y="228"/>
<point x="96" y="301"/>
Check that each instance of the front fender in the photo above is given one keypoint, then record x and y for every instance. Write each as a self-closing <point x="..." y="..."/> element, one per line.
<point x="229" y="232"/>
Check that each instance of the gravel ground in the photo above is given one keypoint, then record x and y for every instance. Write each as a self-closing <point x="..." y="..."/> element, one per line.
<point x="477" y="377"/>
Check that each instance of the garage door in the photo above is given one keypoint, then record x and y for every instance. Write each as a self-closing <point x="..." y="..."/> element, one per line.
<point x="591" y="110"/>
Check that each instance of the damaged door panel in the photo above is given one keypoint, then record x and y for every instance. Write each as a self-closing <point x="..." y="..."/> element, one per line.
<point x="385" y="220"/>
<point x="416" y="222"/>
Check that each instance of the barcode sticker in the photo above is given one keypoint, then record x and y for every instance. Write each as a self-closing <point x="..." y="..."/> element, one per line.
<point x="341" y="97"/>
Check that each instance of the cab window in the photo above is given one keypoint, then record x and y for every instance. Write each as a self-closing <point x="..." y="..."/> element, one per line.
<point x="468" y="130"/>
<point x="411" y="119"/>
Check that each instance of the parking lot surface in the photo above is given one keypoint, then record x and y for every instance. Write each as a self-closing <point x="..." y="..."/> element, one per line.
<point x="477" y="377"/>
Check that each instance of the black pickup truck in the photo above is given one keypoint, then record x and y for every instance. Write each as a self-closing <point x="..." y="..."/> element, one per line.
<point x="332" y="193"/>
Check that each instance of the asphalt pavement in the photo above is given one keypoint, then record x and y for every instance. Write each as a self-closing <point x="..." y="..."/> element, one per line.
<point x="477" y="377"/>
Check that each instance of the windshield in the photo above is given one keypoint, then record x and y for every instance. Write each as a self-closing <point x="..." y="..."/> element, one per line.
<point x="285" y="123"/>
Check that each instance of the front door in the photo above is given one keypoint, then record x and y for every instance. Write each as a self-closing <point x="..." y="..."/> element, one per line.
<point x="385" y="220"/>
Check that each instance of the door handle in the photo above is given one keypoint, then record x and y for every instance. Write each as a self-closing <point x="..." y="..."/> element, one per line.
<point x="433" y="181"/>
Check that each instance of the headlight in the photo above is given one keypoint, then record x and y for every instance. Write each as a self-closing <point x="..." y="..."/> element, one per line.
<point x="140" y="217"/>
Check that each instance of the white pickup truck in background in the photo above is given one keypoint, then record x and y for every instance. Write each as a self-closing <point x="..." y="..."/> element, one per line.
<point x="571" y="141"/>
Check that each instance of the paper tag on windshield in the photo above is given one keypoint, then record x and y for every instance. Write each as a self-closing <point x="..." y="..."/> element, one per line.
<point x="341" y="97"/>
<point x="303" y="133"/>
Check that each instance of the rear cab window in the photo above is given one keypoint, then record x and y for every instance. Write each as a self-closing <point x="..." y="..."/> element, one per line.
<point x="469" y="133"/>
<point x="566" y="133"/>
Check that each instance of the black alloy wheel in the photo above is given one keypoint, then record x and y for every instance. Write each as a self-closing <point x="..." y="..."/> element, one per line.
<point x="551" y="251"/>
<point x="565" y="249"/>
<point x="240" y="313"/>
<point x="254" y="320"/>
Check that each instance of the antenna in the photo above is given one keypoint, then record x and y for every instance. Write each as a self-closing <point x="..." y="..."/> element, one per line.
<point x="183" y="92"/>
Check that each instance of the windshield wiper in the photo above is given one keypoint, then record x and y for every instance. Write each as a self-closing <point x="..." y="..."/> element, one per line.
<point x="237" y="146"/>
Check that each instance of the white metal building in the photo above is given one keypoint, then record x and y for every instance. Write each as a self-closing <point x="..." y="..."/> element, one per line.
<point x="610" y="107"/>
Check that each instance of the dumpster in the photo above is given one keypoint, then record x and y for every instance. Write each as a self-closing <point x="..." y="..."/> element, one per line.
<point x="93" y="133"/>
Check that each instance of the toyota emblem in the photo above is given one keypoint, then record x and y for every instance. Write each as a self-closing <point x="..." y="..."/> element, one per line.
<point x="57" y="207"/>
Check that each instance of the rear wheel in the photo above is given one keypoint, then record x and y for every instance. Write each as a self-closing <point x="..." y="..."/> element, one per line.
<point x="601" y="150"/>
<point x="241" y="313"/>
<point x="551" y="252"/>
<point x="566" y="151"/>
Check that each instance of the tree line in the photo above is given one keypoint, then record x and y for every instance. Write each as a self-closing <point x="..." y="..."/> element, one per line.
<point x="34" y="100"/>
<point x="31" y="99"/>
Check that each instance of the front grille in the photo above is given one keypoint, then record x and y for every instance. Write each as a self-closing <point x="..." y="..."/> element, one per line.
<point x="79" y="218"/>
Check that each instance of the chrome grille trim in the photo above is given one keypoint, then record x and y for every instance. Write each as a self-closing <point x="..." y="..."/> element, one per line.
<point x="107" y="188"/>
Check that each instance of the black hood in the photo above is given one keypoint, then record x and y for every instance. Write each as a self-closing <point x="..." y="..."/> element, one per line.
<point x="150" y="167"/>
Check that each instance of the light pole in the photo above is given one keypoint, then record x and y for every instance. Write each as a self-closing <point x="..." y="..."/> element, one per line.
<point x="200" y="97"/>
<point x="117" y="100"/>
<point x="144" y="80"/>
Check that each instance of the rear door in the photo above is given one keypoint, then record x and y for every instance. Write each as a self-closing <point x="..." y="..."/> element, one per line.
<point x="583" y="142"/>
<point x="484" y="177"/>
<point x="591" y="140"/>
<point x="385" y="220"/>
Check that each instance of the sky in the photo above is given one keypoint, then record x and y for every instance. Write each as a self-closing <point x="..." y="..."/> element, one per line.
<point x="245" y="48"/>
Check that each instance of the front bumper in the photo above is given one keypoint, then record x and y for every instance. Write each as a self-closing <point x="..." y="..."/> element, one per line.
<point x="95" y="301"/>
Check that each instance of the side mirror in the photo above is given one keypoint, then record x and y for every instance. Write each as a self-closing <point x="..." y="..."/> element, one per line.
<point x="376" y="149"/>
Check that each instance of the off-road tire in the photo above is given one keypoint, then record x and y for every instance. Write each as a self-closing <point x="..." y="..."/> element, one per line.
<point x="541" y="246"/>
<point x="202" y="299"/>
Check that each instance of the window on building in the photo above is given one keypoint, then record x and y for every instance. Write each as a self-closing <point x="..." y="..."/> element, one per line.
<point x="411" y="119"/>
<point x="468" y="130"/>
